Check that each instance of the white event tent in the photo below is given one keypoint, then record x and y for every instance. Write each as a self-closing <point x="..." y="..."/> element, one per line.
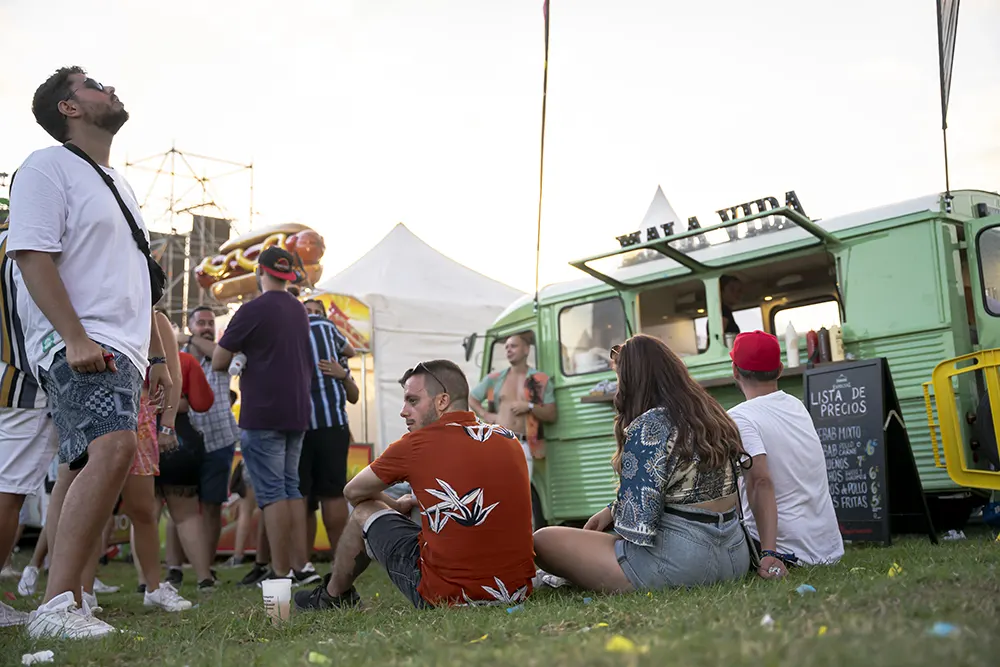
<point x="423" y="305"/>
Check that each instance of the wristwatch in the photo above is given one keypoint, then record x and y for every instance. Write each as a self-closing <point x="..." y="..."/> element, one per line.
<point x="531" y="406"/>
<point x="166" y="430"/>
<point x="157" y="360"/>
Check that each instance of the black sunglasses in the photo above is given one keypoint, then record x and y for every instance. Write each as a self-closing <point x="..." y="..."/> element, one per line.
<point x="88" y="83"/>
<point x="423" y="368"/>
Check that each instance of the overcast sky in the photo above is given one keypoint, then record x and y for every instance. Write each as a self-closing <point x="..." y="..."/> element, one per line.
<point x="364" y="113"/>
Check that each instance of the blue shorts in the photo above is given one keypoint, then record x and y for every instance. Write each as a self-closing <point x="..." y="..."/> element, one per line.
<point x="693" y="547"/>
<point x="272" y="459"/>
<point x="87" y="406"/>
<point x="216" y="468"/>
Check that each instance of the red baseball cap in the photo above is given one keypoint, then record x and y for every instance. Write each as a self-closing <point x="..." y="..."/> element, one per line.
<point x="756" y="351"/>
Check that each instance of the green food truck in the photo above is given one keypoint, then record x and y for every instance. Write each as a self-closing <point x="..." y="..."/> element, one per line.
<point x="915" y="282"/>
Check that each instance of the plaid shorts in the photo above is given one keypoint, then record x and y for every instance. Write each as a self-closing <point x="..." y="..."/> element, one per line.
<point x="87" y="406"/>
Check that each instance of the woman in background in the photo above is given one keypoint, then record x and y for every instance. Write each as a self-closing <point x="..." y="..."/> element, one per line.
<point x="675" y="520"/>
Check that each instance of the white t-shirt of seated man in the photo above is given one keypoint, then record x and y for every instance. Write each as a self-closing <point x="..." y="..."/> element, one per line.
<point x="779" y="426"/>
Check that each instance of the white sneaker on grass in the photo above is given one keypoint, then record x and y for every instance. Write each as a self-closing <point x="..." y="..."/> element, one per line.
<point x="90" y="605"/>
<point x="101" y="587"/>
<point x="166" y="598"/>
<point x="10" y="617"/>
<point x="29" y="579"/>
<point x="60" y="618"/>
<point x="543" y="578"/>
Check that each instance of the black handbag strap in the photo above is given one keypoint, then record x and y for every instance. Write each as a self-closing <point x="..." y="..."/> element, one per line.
<point x="140" y="238"/>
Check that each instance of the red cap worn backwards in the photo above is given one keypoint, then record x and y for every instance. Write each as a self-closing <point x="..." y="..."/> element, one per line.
<point x="756" y="351"/>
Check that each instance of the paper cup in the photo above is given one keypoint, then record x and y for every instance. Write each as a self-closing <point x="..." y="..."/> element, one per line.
<point x="277" y="598"/>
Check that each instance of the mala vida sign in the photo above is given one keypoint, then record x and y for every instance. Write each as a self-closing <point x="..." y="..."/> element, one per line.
<point x="728" y="214"/>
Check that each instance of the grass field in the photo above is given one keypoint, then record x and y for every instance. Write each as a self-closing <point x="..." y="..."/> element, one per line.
<point x="858" y="615"/>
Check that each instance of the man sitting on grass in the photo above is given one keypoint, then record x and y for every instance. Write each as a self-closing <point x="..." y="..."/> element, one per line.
<point x="470" y="480"/>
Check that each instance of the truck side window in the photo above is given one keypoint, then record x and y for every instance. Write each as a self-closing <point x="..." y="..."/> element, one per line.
<point x="675" y="314"/>
<point x="586" y="334"/>
<point x="988" y="242"/>
<point x="747" y="319"/>
<point x="805" y="317"/>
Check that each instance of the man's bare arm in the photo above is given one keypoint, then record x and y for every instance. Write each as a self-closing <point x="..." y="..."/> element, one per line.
<point x="203" y="345"/>
<point x="49" y="293"/>
<point x="482" y="413"/>
<point x="351" y="389"/>
<point x="546" y="412"/>
<point x="221" y="358"/>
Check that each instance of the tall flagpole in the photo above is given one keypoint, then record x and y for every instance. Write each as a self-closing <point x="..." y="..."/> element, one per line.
<point x="541" y="165"/>
<point x="947" y="25"/>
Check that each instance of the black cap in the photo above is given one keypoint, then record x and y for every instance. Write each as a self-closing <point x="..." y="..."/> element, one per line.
<point x="278" y="263"/>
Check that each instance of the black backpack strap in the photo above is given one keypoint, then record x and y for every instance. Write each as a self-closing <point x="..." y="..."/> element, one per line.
<point x="140" y="238"/>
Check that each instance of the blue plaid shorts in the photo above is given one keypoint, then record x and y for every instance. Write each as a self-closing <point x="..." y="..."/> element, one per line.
<point x="86" y="406"/>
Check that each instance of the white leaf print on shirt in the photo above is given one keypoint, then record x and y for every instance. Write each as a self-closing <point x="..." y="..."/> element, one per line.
<point x="466" y="510"/>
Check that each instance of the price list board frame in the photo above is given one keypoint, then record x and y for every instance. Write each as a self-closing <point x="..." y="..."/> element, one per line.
<point x="873" y="478"/>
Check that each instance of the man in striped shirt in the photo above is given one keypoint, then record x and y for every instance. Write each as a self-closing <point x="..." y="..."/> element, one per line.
<point x="27" y="435"/>
<point x="323" y="465"/>
<point x="218" y="425"/>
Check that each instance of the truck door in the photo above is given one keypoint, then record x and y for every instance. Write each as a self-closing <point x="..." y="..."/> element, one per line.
<point x="983" y="237"/>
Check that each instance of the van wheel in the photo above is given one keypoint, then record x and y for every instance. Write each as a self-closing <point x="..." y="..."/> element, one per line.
<point x="537" y="518"/>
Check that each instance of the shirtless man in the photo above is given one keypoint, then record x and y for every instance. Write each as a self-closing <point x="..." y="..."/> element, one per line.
<point x="518" y="398"/>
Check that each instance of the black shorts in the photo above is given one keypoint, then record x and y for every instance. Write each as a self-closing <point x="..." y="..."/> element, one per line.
<point x="323" y="464"/>
<point x="180" y="468"/>
<point x="394" y="541"/>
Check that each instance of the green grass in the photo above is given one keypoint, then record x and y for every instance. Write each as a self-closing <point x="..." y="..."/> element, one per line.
<point x="870" y="618"/>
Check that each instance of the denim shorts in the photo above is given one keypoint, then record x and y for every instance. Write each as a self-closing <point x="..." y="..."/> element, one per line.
<point x="394" y="541"/>
<point x="693" y="547"/>
<point x="87" y="406"/>
<point x="272" y="459"/>
<point x="216" y="468"/>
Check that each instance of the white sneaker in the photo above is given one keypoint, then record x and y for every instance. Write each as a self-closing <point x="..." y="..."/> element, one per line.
<point x="543" y="578"/>
<point x="10" y="617"/>
<point x="90" y="606"/>
<point x="8" y="572"/>
<point x="29" y="579"/>
<point x="60" y="618"/>
<point x="101" y="587"/>
<point x="166" y="598"/>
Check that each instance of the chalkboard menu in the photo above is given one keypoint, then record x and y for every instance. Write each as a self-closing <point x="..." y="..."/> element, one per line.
<point x="856" y="414"/>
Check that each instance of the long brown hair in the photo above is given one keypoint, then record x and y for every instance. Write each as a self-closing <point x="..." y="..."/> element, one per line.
<point x="651" y="376"/>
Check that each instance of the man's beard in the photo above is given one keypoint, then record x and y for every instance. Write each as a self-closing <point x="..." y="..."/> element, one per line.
<point x="110" y="121"/>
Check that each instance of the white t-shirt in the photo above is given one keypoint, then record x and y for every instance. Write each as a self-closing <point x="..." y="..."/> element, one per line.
<point x="60" y="205"/>
<point x="779" y="426"/>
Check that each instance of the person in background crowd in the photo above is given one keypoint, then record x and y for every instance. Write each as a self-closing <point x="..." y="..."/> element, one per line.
<point x="786" y="492"/>
<point x="217" y="424"/>
<point x="471" y="483"/>
<point x="26" y="430"/>
<point x="139" y="502"/>
<point x="84" y="294"/>
<point x="181" y="466"/>
<point x="323" y="465"/>
<point x="731" y="289"/>
<point x="518" y="398"/>
<point x="272" y="330"/>
<point x="676" y="515"/>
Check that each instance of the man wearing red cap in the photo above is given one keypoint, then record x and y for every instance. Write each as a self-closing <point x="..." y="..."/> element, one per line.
<point x="272" y="331"/>
<point x="785" y="494"/>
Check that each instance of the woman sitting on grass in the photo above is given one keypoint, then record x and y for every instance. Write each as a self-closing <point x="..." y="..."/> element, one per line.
<point x="676" y="518"/>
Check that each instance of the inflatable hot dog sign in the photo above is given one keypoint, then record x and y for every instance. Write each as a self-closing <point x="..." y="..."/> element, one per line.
<point x="229" y="275"/>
